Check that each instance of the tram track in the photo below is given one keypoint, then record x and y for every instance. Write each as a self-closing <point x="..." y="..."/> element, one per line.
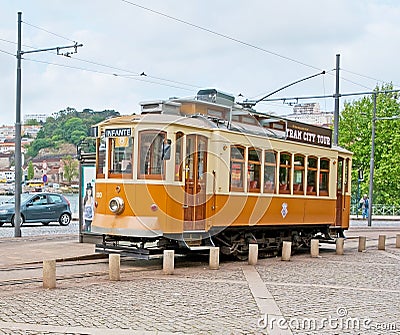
<point x="67" y="270"/>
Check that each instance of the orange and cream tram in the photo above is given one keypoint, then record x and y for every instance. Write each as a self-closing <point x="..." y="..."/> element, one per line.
<point x="200" y="172"/>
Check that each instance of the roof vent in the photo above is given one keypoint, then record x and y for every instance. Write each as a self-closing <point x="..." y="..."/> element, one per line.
<point x="160" y="107"/>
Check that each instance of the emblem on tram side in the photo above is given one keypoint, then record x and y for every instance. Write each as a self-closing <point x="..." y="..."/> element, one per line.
<point x="284" y="210"/>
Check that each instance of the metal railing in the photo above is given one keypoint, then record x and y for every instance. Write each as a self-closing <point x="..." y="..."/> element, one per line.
<point x="378" y="209"/>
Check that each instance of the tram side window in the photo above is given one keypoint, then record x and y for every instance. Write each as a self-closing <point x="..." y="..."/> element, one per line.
<point x="324" y="177"/>
<point x="269" y="172"/>
<point x="151" y="165"/>
<point x="346" y="175"/>
<point x="121" y="156"/>
<point x="340" y="175"/>
<point x="298" y="181"/>
<point x="237" y="168"/>
<point x="285" y="166"/>
<point x="312" y="176"/>
<point x="254" y="170"/>
<point x="101" y="157"/>
<point x="178" y="156"/>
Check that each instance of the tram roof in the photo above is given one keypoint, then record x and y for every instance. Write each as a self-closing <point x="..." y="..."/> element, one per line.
<point x="195" y="113"/>
<point x="196" y="121"/>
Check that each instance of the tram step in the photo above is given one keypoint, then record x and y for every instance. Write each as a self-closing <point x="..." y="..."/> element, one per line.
<point x="200" y="247"/>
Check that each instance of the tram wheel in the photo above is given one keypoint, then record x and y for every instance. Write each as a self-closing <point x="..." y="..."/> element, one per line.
<point x="241" y="257"/>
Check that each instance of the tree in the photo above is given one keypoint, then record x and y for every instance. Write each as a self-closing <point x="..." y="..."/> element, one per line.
<point x="38" y="144"/>
<point x="31" y="171"/>
<point x="70" y="168"/>
<point x="67" y="126"/>
<point x="355" y="126"/>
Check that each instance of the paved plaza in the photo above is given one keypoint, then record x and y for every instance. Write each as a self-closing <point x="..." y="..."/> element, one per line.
<point x="354" y="293"/>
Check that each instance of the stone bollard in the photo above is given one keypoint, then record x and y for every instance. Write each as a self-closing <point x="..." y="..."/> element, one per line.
<point x="114" y="263"/>
<point x="340" y="246"/>
<point x="362" y="243"/>
<point x="314" y="248"/>
<point x="49" y="274"/>
<point x="286" y="250"/>
<point x="381" y="242"/>
<point x="253" y="254"/>
<point x="168" y="262"/>
<point x="214" y="258"/>
<point x="398" y="241"/>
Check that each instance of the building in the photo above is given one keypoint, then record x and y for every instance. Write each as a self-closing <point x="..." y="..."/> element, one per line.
<point x="311" y="113"/>
<point x="38" y="117"/>
<point x="30" y="131"/>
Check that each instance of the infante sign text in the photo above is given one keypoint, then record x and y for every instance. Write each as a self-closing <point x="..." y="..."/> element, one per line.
<point x="308" y="134"/>
<point x="118" y="132"/>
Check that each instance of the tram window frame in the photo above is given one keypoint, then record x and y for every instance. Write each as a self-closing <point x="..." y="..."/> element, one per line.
<point x="154" y="149"/>
<point x="285" y="173"/>
<point x="253" y="170"/>
<point x="298" y="177"/>
<point x="324" y="176"/>
<point x="178" y="172"/>
<point x="312" y="170"/>
<point x="346" y="175"/>
<point x="269" y="166"/>
<point x="237" y="168"/>
<point x="101" y="157"/>
<point x="120" y="151"/>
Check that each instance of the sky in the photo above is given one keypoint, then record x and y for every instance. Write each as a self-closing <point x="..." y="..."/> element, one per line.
<point x="246" y="48"/>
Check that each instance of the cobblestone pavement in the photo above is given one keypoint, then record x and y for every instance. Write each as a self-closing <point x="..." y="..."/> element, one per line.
<point x="354" y="293"/>
<point x="332" y="294"/>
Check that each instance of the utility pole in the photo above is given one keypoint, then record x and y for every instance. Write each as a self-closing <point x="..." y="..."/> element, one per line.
<point x="18" y="164"/>
<point x="372" y="163"/>
<point x="18" y="156"/>
<point x="336" y="112"/>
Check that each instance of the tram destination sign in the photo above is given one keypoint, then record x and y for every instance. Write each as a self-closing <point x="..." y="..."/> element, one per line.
<point x="118" y="132"/>
<point x="304" y="133"/>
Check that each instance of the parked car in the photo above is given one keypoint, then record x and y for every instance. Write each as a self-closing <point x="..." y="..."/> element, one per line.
<point x="38" y="207"/>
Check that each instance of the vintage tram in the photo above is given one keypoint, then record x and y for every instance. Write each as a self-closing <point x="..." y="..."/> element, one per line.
<point x="189" y="173"/>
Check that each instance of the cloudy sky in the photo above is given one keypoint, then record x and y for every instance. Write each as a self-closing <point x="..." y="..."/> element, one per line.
<point x="249" y="47"/>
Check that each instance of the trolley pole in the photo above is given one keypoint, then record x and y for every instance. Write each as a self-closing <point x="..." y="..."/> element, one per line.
<point x="18" y="155"/>
<point x="336" y="112"/>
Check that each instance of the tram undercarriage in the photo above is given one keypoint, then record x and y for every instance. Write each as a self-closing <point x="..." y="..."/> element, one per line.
<point x="231" y="241"/>
<point x="236" y="242"/>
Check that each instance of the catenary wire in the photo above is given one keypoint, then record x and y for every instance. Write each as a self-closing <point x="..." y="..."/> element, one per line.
<point x="195" y="26"/>
<point x="233" y="39"/>
<point x="221" y="35"/>
<point x="113" y="67"/>
<point x="105" y="73"/>
<point x="364" y="76"/>
<point x="49" y="32"/>
<point x="8" y="53"/>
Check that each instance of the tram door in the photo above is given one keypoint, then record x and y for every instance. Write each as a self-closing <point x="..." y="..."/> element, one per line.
<point x="339" y="192"/>
<point x="195" y="183"/>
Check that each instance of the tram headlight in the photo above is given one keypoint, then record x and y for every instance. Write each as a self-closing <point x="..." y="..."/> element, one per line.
<point x="116" y="205"/>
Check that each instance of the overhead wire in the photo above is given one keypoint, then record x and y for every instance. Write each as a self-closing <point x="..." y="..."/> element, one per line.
<point x="47" y="31"/>
<point x="108" y="66"/>
<point x="106" y="73"/>
<point x="129" y="72"/>
<point x="233" y="39"/>
<point x="364" y="76"/>
<point x="189" y="24"/>
<point x="221" y="35"/>
<point x="8" y="53"/>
